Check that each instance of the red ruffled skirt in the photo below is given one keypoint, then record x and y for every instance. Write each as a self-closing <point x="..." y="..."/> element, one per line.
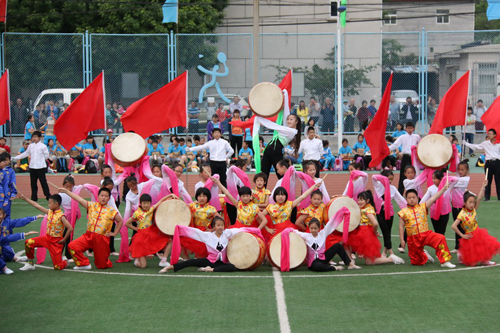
<point x="148" y="241"/>
<point x="480" y="248"/>
<point x="364" y="242"/>
<point x="197" y="247"/>
<point x="332" y="239"/>
<point x="278" y="228"/>
<point x="238" y="224"/>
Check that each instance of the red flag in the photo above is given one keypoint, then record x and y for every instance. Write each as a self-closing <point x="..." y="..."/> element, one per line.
<point x="3" y="10"/>
<point x="491" y="118"/>
<point x="285" y="84"/>
<point x="4" y="98"/>
<point x="375" y="133"/>
<point x="165" y="108"/>
<point x="452" y="110"/>
<point x="86" y="113"/>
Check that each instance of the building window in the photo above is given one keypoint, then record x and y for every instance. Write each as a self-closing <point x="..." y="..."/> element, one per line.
<point x="443" y="16"/>
<point x="390" y="17"/>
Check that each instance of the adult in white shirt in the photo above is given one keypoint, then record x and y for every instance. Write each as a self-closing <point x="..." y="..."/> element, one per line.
<point x="406" y="141"/>
<point x="470" y="129"/>
<point x="312" y="149"/>
<point x="38" y="153"/>
<point x="479" y="110"/>
<point x="235" y="105"/>
<point x="492" y="157"/>
<point x="220" y="151"/>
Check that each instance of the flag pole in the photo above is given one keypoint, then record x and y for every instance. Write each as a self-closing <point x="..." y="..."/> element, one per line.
<point x="10" y="110"/>
<point x="104" y="101"/>
<point x="463" y="131"/>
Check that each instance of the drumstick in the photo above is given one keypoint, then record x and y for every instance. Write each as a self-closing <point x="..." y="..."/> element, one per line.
<point x="323" y="179"/>
<point x="486" y="177"/>
<point x="52" y="184"/>
<point x="447" y="177"/>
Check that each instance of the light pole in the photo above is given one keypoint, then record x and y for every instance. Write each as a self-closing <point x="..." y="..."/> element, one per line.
<point x="340" y="112"/>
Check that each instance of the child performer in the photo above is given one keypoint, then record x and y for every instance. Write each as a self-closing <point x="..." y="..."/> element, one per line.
<point x="316" y="210"/>
<point x="281" y="210"/>
<point x="457" y="197"/>
<point x="357" y="181"/>
<point x="317" y="257"/>
<point x="6" y="239"/>
<point x="100" y="218"/>
<point x="477" y="246"/>
<point x="385" y="192"/>
<point x="413" y="218"/>
<point x="260" y="194"/>
<point x="67" y="207"/>
<point x="6" y="227"/>
<point x="363" y="240"/>
<point x="205" y="173"/>
<point x="9" y="189"/>
<point x="55" y="237"/>
<point x="247" y="210"/>
<point x="310" y="168"/>
<point x="216" y="246"/>
<point x="149" y="239"/>
<point x="440" y="217"/>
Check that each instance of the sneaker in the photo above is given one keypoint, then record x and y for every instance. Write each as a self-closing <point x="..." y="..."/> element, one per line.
<point x="114" y="254"/>
<point x="163" y="263"/>
<point x="397" y="260"/>
<point x="90" y="254"/>
<point x="454" y="251"/>
<point x="164" y="270"/>
<point x="401" y="250"/>
<point x="488" y="263"/>
<point x="64" y="258"/>
<point x="83" y="267"/>
<point x="332" y="263"/>
<point x="353" y="267"/>
<point x="429" y="257"/>
<point x="448" y="265"/>
<point x="201" y="269"/>
<point x="27" y="267"/>
<point x="7" y="271"/>
<point x="136" y="262"/>
<point x="70" y="261"/>
<point x="472" y="155"/>
<point x="338" y="268"/>
<point x="22" y="259"/>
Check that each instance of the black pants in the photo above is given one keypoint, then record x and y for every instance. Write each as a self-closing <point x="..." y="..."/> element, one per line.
<point x="385" y="227"/>
<point x="272" y="155"/>
<point x="406" y="160"/>
<point x="219" y="168"/>
<point x="236" y="144"/>
<point x="112" y="239"/>
<point x="218" y="266"/>
<point x="454" y="213"/>
<point x="316" y="163"/>
<point x="319" y="265"/>
<point x="389" y="161"/>
<point x="232" y="213"/>
<point x="440" y="225"/>
<point x="35" y="175"/>
<point x="493" y="167"/>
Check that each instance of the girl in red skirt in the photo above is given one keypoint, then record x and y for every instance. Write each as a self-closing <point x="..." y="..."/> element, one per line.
<point x="315" y="210"/>
<point x="281" y="211"/>
<point x="477" y="246"/>
<point x="149" y="239"/>
<point x="363" y="240"/>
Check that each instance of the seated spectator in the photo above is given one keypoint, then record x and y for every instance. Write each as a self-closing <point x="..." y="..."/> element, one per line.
<point x="345" y="153"/>
<point x="246" y="153"/>
<point x="22" y="165"/>
<point x="3" y="145"/>
<point x="214" y="123"/>
<point x="191" y="157"/>
<point x="327" y="159"/>
<point x="290" y="152"/>
<point x="389" y="163"/>
<point x="76" y="153"/>
<point x="155" y="153"/>
<point x="176" y="154"/>
<point x="361" y="149"/>
<point x="182" y="143"/>
<point x="399" y="131"/>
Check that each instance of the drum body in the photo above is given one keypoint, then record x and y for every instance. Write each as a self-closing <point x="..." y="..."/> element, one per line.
<point x="128" y="149"/>
<point x="170" y="213"/>
<point x="339" y="202"/>
<point x="298" y="251"/>
<point x="246" y="251"/>
<point x="266" y="99"/>
<point x="434" y="151"/>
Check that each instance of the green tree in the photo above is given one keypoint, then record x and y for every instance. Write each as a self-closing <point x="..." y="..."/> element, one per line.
<point x="391" y="54"/>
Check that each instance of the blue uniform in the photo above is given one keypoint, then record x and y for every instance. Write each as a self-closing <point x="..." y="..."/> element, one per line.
<point x="6" y="228"/>
<point x="7" y="240"/>
<point x="157" y="150"/>
<point x="9" y="190"/>
<point x="328" y="160"/>
<point x="345" y="151"/>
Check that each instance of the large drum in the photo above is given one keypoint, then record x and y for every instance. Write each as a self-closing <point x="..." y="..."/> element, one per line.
<point x="434" y="151"/>
<point x="266" y="99"/>
<point x="171" y="213"/>
<point x="246" y="251"/>
<point x="128" y="149"/>
<point x="298" y="251"/>
<point x="339" y="202"/>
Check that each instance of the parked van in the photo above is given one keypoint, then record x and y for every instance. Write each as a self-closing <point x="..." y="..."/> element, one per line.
<point x="63" y="95"/>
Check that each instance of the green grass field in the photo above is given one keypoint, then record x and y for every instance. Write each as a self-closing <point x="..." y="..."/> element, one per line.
<point x="124" y="298"/>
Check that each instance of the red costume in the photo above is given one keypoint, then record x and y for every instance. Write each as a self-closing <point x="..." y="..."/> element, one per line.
<point x="148" y="239"/>
<point x="363" y="239"/>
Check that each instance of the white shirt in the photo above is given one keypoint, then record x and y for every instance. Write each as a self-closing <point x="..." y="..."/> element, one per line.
<point x="38" y="152"/>
<point x="220" y="149"/>
<point x="233" y="106"/>
<point x="491" y="150"/>
<point x="406" y="141"/>
<point x="312" y="149"/>
<point x="471" y="128"/>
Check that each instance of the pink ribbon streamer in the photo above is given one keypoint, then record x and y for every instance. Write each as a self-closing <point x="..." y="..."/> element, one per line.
<point x="438" y="208"/>
<point x="214" y="190"/>
<point x="41" y="251"/>
<point x="308" y="181"/>
<point x="350" y="186"/>
<point x="387" y="196"/>
<point x="286" y="181"/>
<point x="232" y="173"/>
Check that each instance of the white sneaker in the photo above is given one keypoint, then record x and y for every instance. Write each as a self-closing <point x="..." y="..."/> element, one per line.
<point x="114" y="254"/>
<point x="429" y="257"/>
<point x="332" y="263"/>
<point x="488" y="263"/>
<point x="83" y="267"/>
<point x="90" y="254"/>
<point x="8" y="271"/>
<point x="22" y="259"/>
<point x="163" y="263"/>
<point x="70" y="261"/>
<point x="64" y="258"/>
<point x="136" y="262"/>
<point x="401" y="250"/>
<point x="454" y="251"/>
<point x="397" y="260"/>
<point x="27" y="267"/>
<point x="448" y="265"/>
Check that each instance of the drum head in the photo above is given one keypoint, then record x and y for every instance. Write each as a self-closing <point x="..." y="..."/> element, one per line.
<point x="171" y="213"/>
<point x="266" y="99"/>
<point x="128" y="147"/>
<point x="243" y="250"/>
<point x="298" y="250"/>
<point x="434" y="151"/>
<point x="337" y="203"/>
